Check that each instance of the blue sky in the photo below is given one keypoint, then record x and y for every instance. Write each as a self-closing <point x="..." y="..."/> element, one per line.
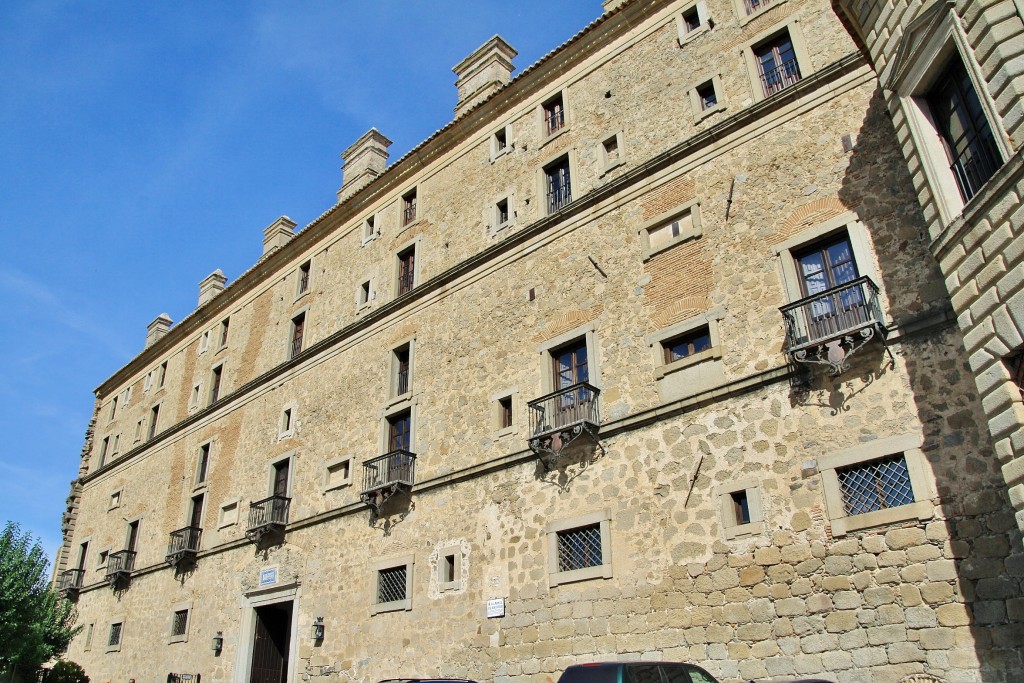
<point x="146" y="144"/>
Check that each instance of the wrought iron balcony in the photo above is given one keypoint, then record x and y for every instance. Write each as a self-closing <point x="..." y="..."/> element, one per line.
<point x="559" y="197"/>
<point x="183" y="545"/>
<point x="561" y="416"/>
<point x="120" y="566"/>
<point x="828" y="327"/>
<point x="267" y="516"/>
<point x="386" y="475"/>
<point x="782" y="76"/>
<point x="69" y="582"/>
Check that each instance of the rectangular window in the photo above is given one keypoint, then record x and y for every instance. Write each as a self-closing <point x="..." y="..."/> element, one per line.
<point x="401" y="362"/>
<point x="876" y="485"/>
<point x="215" y="380"/>
<point x="203" y="464"/>
<point x="406" y="270"/>
<point x="179" y="622"/>
<point x="115" y="500"/>
<point x="500" y="140"/>
<point x="740" y="507"/>
<point x="505" y="412"/>
<point x="611" y="151"/>
<point x="1015" y="366"/>
<point x="554" y="115"/>
<point x="298" y="328"/>
<point x="338" y="474"/>
<point x="751" y="6"/>
<point x="101" y="559"/>
<point x="138" y="430"/>
<point x="960" y="121"/>
<point x="286" y="421"/>
<point x="391" y="584"/>
<point x="161" y="375"/>
<point x="570" y="365"/>
<point x="133" y="536"/>
<point x="691" y="19"/>
<point x="280" y="483"/>
<point x="687" y="344"/>
<point x="116" y="448"/>
<point x="114" y="639"/>
<point x="113" y="408"/>
<point x="558" y="184"/>
<point x="127" y="396"/>
<point x="364" y="293"/>
<point x="204" y="342"/>
<point x="104" y="445"/>
<point x="579" y="548"/>
<point x="501" y="213"/>
<point x="706" y="95"/>
<point x="88" y="636"/>
<point x="408" y="207"/>
<point x="154" y="417"/>
<point x="400" y="431"/>
<point x="776" y="63"/>
<point x="369" y="228"/>
<point x="225" y="324"/>
<point x="303" y="278"/>
<point x="195" y="518"/>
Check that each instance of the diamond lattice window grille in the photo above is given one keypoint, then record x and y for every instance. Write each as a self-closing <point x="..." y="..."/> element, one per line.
<point x="579" y="548"/>
<point x="875" y="485"/>
<point x="391" y="584"/>
<point x="115" y="634"/>
<point x="179" y="622"/>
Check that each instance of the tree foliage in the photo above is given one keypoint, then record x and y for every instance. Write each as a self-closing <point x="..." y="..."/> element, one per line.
<point x="35" y="623"/>
<point x="65" y="672"/>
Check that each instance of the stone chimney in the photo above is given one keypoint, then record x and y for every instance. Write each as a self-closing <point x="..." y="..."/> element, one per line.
<point x="485" y="70"/>
<point x="156" y="330"/>
<point x="362" y="162"/>
<point x="211" y="286"/>
<point x="277" y="234"/>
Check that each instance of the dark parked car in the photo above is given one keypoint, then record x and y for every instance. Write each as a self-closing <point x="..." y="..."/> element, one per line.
<point x="648" y="672"/>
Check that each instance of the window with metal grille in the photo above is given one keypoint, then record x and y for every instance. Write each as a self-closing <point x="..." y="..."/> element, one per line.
<point x="204" y="463"/>
<point x="579" y="548"/>
<point x="554" y="115"/>
<point x="217" y="373"/>
<point x="403" y="370"/>
<point x="960" y="121"/>
<point x="409" y="207"/>
<point x="225" y="325"/>
<point x="391" y="584"/>
<point x="1015" y="364"/>
<point x="115" y="634"/>
<point x="875" y="485"/>
<point x="559" y="184"/>
<point x="777" y="64"/>
<point x="406" y="270"/>
<point x="179" y="623"/>
<point x="752" y="6"/>
<point x="688" y="344"/>
<point x="154" y="417"/>
<point x="304" y="277"/>
<point x="298" y="329"/>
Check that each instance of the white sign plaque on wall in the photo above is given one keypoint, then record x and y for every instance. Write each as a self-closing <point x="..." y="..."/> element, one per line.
<point x="268" y="577"/>
<point x="496" y="608"/>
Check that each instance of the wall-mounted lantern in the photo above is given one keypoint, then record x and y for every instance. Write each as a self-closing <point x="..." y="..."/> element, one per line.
<point x="318" y="629"/>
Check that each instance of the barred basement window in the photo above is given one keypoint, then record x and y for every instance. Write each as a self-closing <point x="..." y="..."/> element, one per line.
<point x="876" y="485"/>
<point x="179" y="622"/>
<point x="391" y="584"/>
<point x="579" y="548"/>
<point x="115" y="635"/>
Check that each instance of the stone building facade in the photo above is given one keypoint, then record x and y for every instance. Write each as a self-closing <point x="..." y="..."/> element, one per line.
<point x="525" y="397"/>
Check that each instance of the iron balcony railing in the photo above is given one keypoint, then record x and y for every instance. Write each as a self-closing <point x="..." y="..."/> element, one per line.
<point x="554" y="120"/>
<point x="405" y="281"/>
<point x="120" y="564"/>
<point x="409" y="213"/>
<point x="296" y="343"/>
<point x="972" y="168"/>
<point x="832" y="314"/>
<point x="396" y="467"/>
<point x="69" y="581"/>
<point x="183" y="543"/>
<point x="754" y="5"/>
<point x="782" y="76"/>
<point x="269" y="512"/>
<point x="559" y="197"/>
<point x="564" y="408"/>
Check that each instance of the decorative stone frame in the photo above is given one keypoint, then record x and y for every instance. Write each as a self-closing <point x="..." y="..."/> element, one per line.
<point x="920" y="482"/>
<point x="542" y="134"/>
<point x="602" y="571"/>
<point x="587" y="332"/>
<point x="102" y="555"/>
<point x="492" y="218"/>
<point x="454" y="550"/>
<point x="286" y="431"/>
<point x="542" y="179"/>
<point x="607" y="165"/>
<point x="371" y="294"/>
<point x="731" y="527"/>
<point x="656" y="341"/>
<point x="182" y="638"/>
<point x="395" y="398"/>
<point x="796" y="36"/>
<point x="116" y="499"/>
<point x="90" y="627"/>
<point x="329" y="484"/>
<point x="512" y="394"/>
<point x="692" y="207"/>
<point x="390" y="563"/>
<point x="110" y="625"/>
<point x="860" y="244"/>
<point x="741" y="10"/>
<point x="700" y="114"/>
<point x="290" y="456"/>
<point x="702" y="15"/>
<point x="225" y="511"/>
<point x="939" y="35"/>
<point x="414" y="243"/>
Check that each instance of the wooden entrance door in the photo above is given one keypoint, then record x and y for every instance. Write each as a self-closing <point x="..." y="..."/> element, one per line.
<point x="271" y="643"/>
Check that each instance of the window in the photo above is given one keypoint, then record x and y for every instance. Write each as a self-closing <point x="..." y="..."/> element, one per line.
<point x="449" y="568"/>
<point x="501" y="214"/>
<point x="303" y="285"/>
<point x="393" y="585"/>
<point x="570" y="365"/>
<point x="558" y="185"/>
<point x="692" y="22"/>
<point x="115" y="500"/>
<point x="138" y="430"/>
<point x="579" y="549"/>
<point x="154" y="417"/>
<point x="505" y="412"/>
<point x="401" y="364"/>
<point x="203" y="466"/>
<point x="554" y="115"/>
<point x="225" y="325"/>
<point x="612" y="153"/>
<point x="671" y="228"/>
<point x="409" y="207"/>
<point x="776" y="63"/>
<point x="126" y="396"/>
<point x="365" y="295"/>
<point x="298" y="328"/>
<point x="193" y="401"/>
<point x="1015" y="366"/>
<point x="132" y="539"/>
<point x="499" y="143"/>
<point x="215" y="379"/>
<point x="691" y="19"/>
<point x="752" y="6"/>
<point x="286" y="426"/>
<point x="179" y="625"/>
<point x="338" y="474"/>
<point x="195" y="518"/>
<point x="115" y="635"/>
<point x="116" y="448"/>
<point x="400" y="431"/>
<point x="204" y="342"/>
<point x="104" y="445"/>
<point x="88" y="636"/>
<point x="161" y="375"/>
<point x="101" y="559"/>
<point x="148" y="383"/>
<point x="406" y="270"/>
<point x="369" y="229"/>
<point x="876" y="483"/>
<point x="687" y="345"/>
<point x="706" y="95"/>
<point x="740" y="508"/>
<point x="963" y="129"/>
<point x="280" y="477"/>
<point x="113" y="408"/>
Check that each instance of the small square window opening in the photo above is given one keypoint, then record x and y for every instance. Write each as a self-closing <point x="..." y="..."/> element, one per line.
<point x="687" y="345"/>
<point x="501" y="212"/>
<point x="179" y="622"/>
<point x="741" y="507"/>
<point x="391" y="584"/>
<point x="579" y="548"/>
<point x="707" y="96"/>
<point x="500" y="141"/>
<point x="691" y="19"/>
